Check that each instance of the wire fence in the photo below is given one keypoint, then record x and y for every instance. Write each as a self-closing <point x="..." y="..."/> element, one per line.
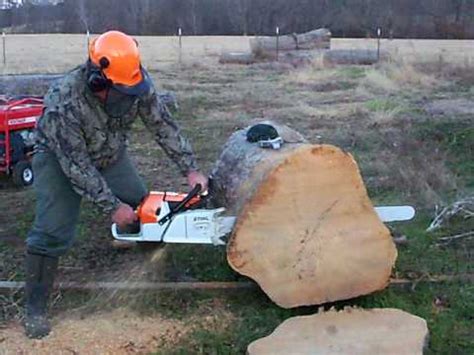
<point x="57" y="53"/>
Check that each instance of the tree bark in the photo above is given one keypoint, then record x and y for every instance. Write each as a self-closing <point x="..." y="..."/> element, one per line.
<point x="316" y="39"/>
<point x="306" y="230"/>
<point x="351" y="331"/>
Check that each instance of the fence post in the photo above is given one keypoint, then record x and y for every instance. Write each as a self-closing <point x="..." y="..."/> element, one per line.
<point x="4" y="39"/>
<point x="379" y="35"/>
<point x="277" y="31"/>
<point x="180" y="35"/>
<point x="87" y="41"/>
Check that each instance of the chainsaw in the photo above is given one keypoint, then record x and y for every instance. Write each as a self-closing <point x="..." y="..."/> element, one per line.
<point x="171" y="217"/>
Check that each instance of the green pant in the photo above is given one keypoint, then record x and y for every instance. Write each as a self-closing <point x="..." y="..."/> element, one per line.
<point x="57" y="204"/>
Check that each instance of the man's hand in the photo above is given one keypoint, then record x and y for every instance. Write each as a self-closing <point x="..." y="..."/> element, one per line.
<point x="195" y="177"/>
<point x="124" y="215"/>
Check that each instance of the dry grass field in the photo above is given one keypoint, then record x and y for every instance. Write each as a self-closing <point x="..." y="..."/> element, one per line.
<point x="58" y="53"/>
<point x="409" y="123"/>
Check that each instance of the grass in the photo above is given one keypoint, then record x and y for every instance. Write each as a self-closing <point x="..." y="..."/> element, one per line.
<point x="385" y="111"/>
<point x="375" y="113"/>
<point x="447" y="307"/>
<point x="63" y="51"/>
<point x="186" y="260"/>
<point x="381" y="105"/>
<point x="399" y="77"/>
<point x="457" y="138"/>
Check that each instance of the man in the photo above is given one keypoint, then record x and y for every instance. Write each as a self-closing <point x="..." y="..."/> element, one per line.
<point x="81" y="152"/>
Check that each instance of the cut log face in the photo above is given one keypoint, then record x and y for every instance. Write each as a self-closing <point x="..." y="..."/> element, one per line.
<point x="306" y="230"/>
<point x="352" y="331"/>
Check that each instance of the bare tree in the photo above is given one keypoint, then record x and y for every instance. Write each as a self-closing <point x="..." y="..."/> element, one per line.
<point x="406" y="18"/>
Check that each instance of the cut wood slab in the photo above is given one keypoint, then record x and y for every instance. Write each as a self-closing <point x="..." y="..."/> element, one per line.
<point x="306" y="230"/>
<point x="352" y="331"/>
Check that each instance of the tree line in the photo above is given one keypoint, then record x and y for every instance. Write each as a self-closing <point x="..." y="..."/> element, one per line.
<point x="345" y="18"/>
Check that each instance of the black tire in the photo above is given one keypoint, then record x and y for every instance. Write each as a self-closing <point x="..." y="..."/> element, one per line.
<point x="18" y="145"/>
<point x="22" y="174"/>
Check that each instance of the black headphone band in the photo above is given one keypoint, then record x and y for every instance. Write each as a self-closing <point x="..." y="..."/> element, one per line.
<point x="96" y="79"/>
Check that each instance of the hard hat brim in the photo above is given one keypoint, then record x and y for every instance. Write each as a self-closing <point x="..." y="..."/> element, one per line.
<point x="139" y="89"/>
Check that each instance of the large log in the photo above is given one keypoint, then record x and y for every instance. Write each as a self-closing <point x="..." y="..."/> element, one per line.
<point x="306" y="230"/>
<point x="28" y="84"/>
<point x="237" y="58"/>
<point x="316" y="39"/>
<point x="352" y="331"/>
<point x="38" y="85"/>
<point x="293" y="59"/>
<point x="353" y="56"/>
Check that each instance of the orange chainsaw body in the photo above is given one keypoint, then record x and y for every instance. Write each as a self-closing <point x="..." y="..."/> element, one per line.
<point x="149" y="208"/>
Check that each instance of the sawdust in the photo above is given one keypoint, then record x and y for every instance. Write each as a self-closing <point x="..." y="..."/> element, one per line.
<point x="120" y="331"/>
<point x="116" y="332"/>
<point x="158" y="256"/>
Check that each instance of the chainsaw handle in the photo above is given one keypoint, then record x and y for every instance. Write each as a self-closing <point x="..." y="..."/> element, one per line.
<point x="193" y="193"/>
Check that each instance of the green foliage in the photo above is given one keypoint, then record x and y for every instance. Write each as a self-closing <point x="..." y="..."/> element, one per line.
<point x="254" y="317"/>
<point x="448" y="307"/>
<point x="382" y="105"/>
<point x="200" y="262"/>
<point x="352" y="72"/>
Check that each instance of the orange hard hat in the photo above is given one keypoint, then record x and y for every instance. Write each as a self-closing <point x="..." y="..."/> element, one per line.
<point x="117" y="55"/>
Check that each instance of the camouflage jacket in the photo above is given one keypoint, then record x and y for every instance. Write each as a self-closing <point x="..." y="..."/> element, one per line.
<point x="76" y="128"/>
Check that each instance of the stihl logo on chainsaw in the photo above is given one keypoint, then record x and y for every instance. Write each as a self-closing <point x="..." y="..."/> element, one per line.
<point x="204" y="226"/>
<point x="201" y="224"/>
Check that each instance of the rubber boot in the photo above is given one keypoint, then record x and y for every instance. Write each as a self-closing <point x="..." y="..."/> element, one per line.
<point x="40" y="273"/>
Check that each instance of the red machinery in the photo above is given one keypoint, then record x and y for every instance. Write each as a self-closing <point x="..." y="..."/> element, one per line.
<point x="18" y="118"/>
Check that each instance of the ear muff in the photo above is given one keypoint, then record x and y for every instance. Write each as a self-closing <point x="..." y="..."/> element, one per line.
<point x="96" y="80"/>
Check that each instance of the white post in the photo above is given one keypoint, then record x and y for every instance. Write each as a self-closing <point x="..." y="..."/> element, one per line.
<point x="379" y="35"/>
<point x="4" y="39"/>
<point x="180" y="35"/>
<point x="88" y="35"/>
<point x="277" y="32"/>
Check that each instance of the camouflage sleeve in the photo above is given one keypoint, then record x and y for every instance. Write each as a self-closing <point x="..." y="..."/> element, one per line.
<point x="158" y="120"/>
<point x="63" y="135"/>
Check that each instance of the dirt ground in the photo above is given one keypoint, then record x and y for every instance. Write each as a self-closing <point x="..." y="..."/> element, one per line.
<point x="408" y="154"/>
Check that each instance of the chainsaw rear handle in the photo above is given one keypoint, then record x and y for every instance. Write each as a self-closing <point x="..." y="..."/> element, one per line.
<point x="179" y="207"/>
<point x="123" y="236"/>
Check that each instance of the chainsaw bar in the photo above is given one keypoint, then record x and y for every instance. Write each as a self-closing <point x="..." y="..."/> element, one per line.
<point x="208" y="226"/>
<point x="395" y="213"/>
